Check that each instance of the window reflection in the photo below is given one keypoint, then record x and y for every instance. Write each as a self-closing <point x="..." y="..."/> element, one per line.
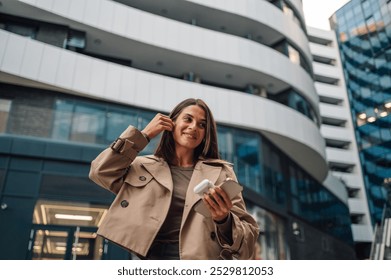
<point x="273" y="178"/>
<point x="50" y="245"/>
<point x="245" y="158"/>
<point x="26" y="30"/>
<point x="293" y="55"/>
<point x="271" y="244"/>
<point x="294" y="100"/>
<point x="5" y="107"/>
<point x="88" y="124"/>
<point x="117" y="122"/>
<point x="315" y="204"/>
<point x="62" y="119"/>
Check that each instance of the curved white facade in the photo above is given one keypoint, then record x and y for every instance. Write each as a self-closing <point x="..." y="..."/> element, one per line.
<point x="214" y="54"/>
<point x="155" y="41"/>
<point x="267" y="14"/>
<point x="70" y="72"/>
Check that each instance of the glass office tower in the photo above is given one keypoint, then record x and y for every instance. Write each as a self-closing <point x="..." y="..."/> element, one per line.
<point x="364" y="32"/>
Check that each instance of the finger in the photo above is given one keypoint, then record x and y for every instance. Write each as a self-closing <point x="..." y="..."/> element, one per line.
<point x="164" y="117"/>
<point x="166" y="122"/>
<point x="224" y="196"/>
<point x="218" y="213"/>
<point x="158" y="124"/>
<point x="210" y="208"/>
<point x="165" y="126"/>
<point x="210" y="201"/>
<point x="221" y="208"/>
<point x="217" y="197"/>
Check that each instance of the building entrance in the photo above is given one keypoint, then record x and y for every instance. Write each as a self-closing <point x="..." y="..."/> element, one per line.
<point x="66" y="230"/>
<point x="53" y="242"/>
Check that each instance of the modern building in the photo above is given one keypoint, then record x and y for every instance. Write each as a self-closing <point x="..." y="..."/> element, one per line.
<point x="74" y="74"/>
<point x="363" y="29"/>
<point x="338" y="131"/>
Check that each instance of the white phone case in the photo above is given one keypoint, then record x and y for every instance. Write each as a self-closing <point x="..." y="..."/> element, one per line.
<point x="232" y="189"/>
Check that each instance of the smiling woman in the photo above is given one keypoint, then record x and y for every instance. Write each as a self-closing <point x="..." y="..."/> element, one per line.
<point x="189" y="131"/>
<point x="153" y="213"/>
<point x="191" y="127"/>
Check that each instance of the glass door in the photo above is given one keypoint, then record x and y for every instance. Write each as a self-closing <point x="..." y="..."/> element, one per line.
<point x="87" y="244"/>
<point x="48" y="242"/>
<point x="65" y="230"/>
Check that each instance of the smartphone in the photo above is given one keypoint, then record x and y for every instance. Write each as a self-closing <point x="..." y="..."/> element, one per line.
<point x="230" y="186"/>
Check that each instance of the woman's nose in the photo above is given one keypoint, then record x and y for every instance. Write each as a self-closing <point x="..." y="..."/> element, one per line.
<point x="192" y="125"/>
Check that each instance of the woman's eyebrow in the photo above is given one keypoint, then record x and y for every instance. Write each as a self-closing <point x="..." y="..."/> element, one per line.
<point x="190" y="115"/>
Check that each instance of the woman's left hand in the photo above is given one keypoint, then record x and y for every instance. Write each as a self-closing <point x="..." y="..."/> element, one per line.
<point x="218" y="203"/>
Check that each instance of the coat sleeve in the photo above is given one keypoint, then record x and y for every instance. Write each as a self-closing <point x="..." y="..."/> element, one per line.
<point x="244" y="229"/>
<point x="110" y="166"/>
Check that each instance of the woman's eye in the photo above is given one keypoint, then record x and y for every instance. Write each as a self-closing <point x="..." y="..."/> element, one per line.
<point x="202" y="125"/>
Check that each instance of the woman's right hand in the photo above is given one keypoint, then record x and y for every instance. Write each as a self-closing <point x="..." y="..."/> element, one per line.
<point x="159" y="123"/>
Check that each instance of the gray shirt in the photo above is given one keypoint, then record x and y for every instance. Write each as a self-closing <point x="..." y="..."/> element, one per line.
<point x="169" y="231"/>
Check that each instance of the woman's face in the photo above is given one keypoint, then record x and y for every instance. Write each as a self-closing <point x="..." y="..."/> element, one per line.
<point x="190" y="126"/>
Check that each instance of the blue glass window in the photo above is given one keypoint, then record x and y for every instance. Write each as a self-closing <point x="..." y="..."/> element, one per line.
<point x="88" y="124"/>
<point x="242" y="149"/>
<point x="63" y="112"/>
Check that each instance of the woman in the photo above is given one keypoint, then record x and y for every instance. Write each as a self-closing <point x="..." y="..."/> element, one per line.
<point x="153" y="214"/>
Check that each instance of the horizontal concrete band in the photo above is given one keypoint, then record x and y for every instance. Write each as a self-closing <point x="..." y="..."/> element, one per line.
<point x="41" y="65"/>
<point x="188" y="44"/>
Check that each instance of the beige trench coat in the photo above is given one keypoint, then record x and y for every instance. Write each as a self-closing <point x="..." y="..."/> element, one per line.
<point x="143" y="197"/>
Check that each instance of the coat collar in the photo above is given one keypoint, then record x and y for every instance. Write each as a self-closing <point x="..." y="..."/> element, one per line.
<point x="159" y="169"/>
<point x="204" y="169"/>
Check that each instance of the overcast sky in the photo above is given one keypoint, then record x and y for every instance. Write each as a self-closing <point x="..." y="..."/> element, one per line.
<point x="317" y="12"/>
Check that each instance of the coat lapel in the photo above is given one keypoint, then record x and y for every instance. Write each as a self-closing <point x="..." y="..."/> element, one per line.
<point x="161" y="172"/>
<point x="201" y="171"/>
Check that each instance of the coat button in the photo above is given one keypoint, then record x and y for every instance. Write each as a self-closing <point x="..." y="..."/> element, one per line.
<point x="124" y="203"/>
<point x="213" y="235"/>
<point x="142" y="178"/>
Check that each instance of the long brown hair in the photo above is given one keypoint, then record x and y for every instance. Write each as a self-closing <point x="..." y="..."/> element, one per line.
<point x="208" y="148"/>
